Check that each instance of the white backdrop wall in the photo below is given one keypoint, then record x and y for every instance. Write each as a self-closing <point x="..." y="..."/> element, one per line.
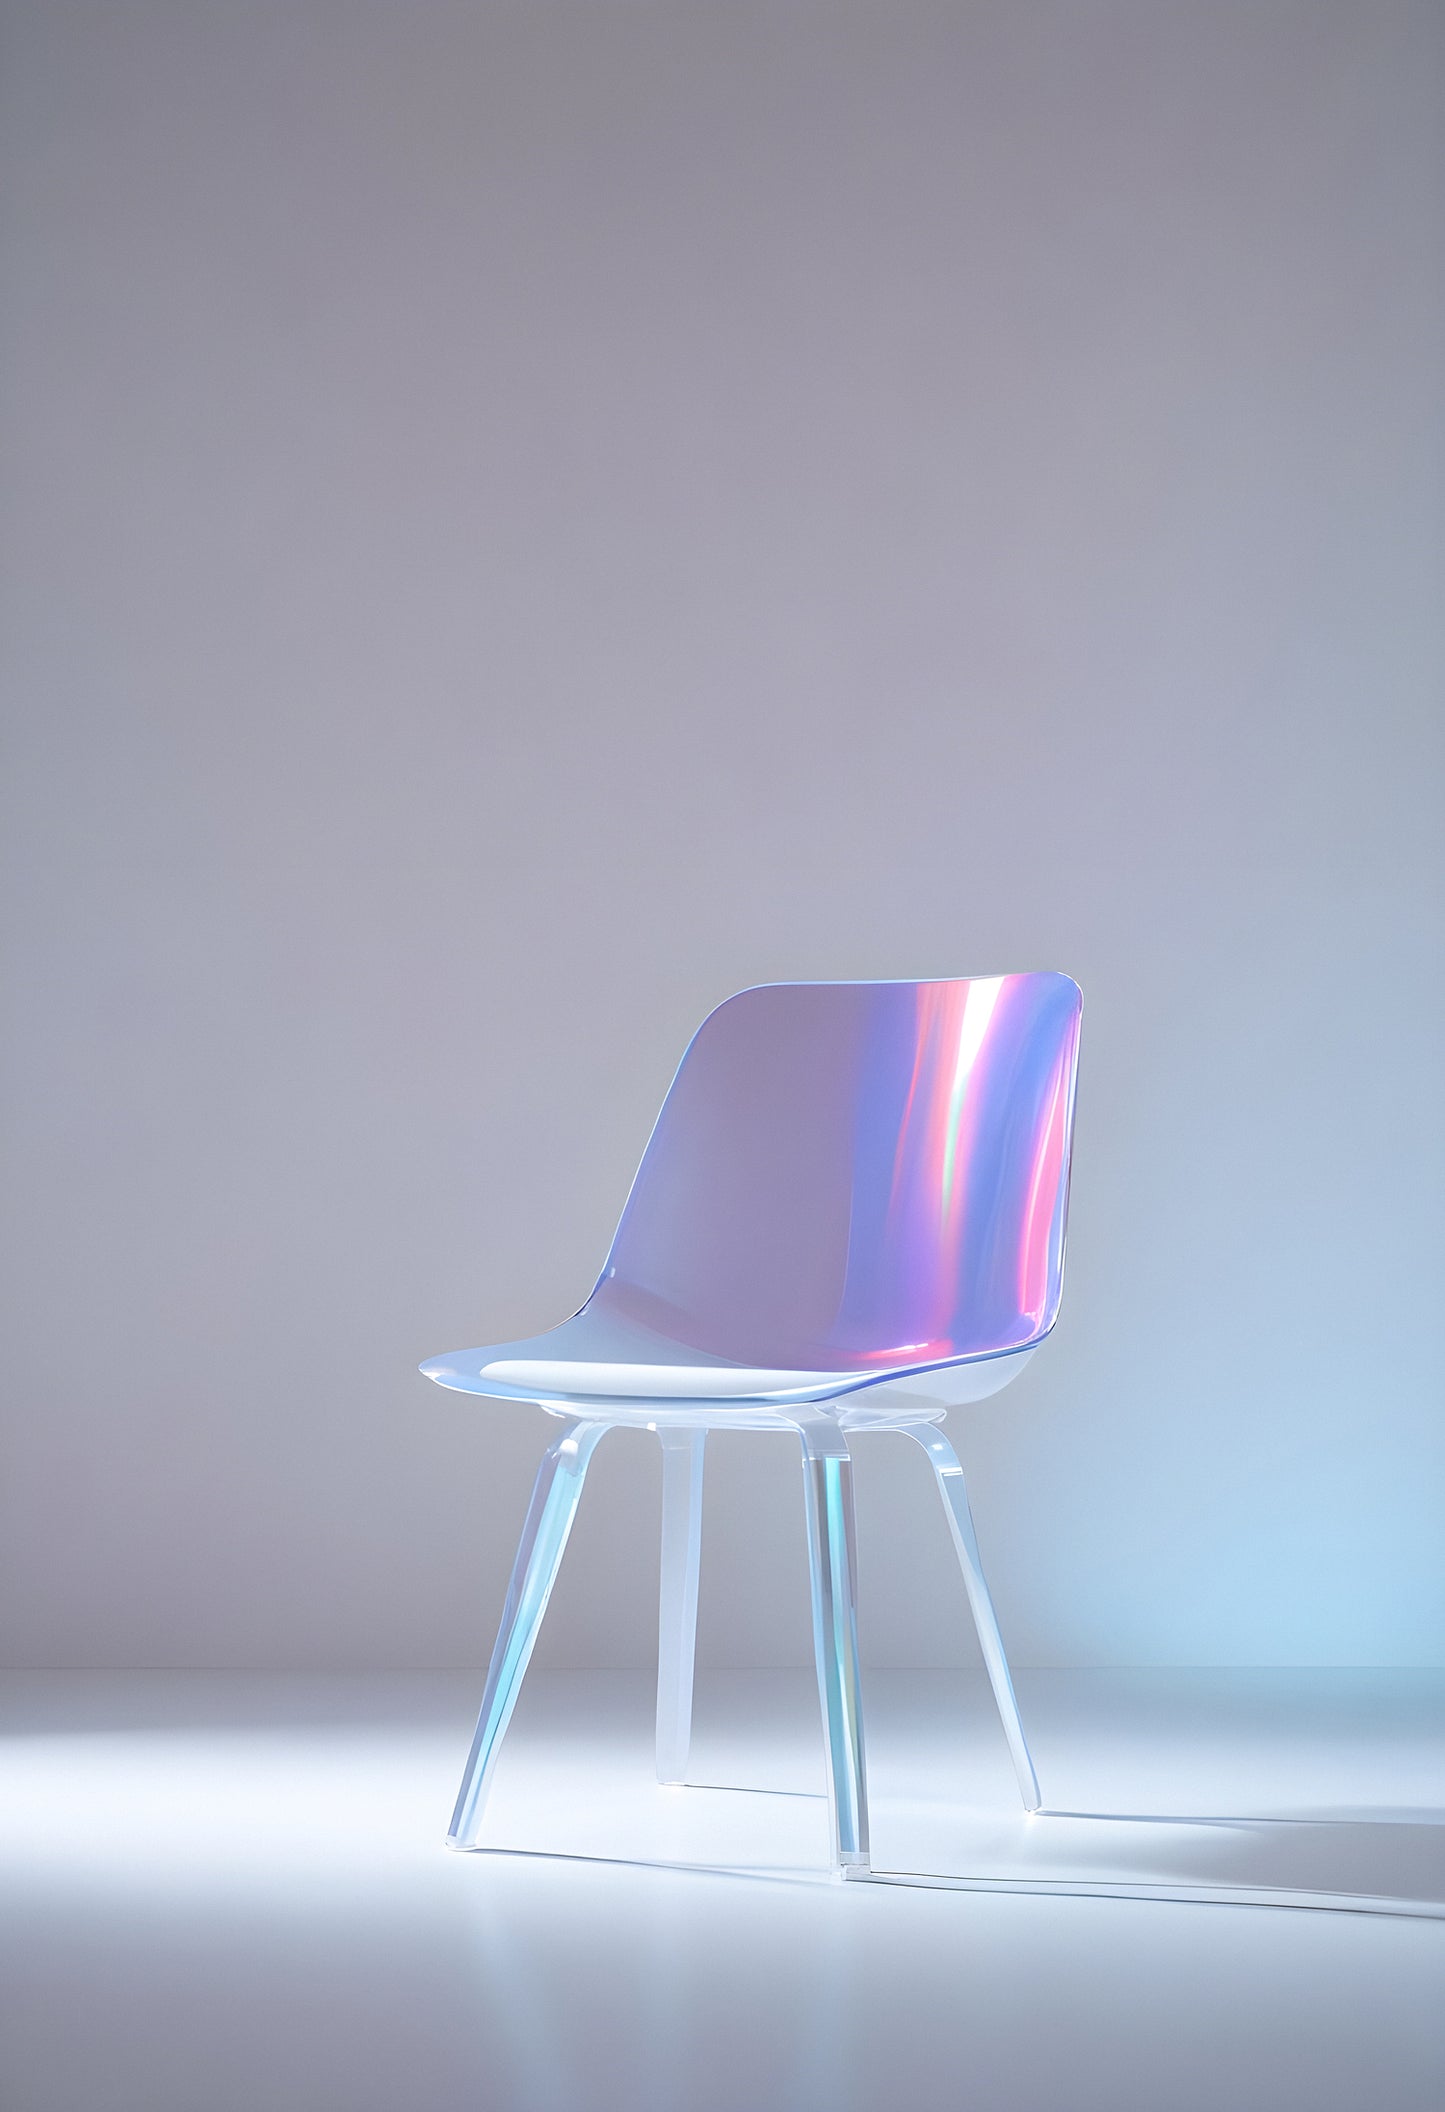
<point x="524" y="518"/>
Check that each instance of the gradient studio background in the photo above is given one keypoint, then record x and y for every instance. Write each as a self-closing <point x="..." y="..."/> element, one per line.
<point x="522" y="518"/>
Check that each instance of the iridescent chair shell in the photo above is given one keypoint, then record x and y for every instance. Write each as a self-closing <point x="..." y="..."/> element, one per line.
<point x="850" y="1214"/>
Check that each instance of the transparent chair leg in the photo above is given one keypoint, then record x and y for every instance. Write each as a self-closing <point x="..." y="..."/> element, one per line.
<point x="555" y="1495"/>
<point x="833" y="1569"/>
<point x="682" y="1462"/>
<point x="960" y="1520"/>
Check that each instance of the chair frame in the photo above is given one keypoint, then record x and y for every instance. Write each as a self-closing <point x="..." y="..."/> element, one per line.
<point x="832" y="1567"/>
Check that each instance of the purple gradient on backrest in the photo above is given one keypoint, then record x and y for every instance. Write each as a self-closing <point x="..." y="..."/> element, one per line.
<point x="854" y="1174"/>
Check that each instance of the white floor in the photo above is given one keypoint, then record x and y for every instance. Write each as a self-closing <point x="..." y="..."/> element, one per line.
<point x="228" y="1892"/>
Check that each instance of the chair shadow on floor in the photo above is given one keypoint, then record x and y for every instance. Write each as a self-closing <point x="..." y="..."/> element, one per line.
<point x="1370" y="1860"/>
<point x="1345" y="1859"/>
<point x="1336" y="1865"/>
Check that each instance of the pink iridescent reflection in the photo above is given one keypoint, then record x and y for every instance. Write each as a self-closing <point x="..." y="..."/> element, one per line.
<point x="855" y="1175"/>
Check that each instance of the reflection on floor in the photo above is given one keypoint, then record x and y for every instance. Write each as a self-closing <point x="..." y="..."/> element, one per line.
<point x="225" y="1891"/>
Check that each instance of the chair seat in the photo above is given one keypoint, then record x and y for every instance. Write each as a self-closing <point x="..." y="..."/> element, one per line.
<point x="600" y="1360"/>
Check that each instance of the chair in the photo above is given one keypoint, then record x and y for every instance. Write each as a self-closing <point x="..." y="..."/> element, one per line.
<point x="850" y="1215"/>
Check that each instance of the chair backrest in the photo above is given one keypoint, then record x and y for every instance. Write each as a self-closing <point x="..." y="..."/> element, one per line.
<point x="855" y="1175"/>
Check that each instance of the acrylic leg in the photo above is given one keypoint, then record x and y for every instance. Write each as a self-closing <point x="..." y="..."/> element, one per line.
<point x="960" y="1521"/>
<point x="833" y="1568"/>
<point x="539" y="1556"/>
<point x="682" y="1459"/>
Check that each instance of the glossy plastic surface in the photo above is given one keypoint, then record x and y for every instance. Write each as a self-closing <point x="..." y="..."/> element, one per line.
<point x="682" y="1464"/>
<point x="555" y="1496"/>
<point x="949" y="1475"/>
<point x="850" y="1176"/>
<point x="848" y="1183"/>
<point x="851" y="1211"/>
<point x="832" y="1576"/>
